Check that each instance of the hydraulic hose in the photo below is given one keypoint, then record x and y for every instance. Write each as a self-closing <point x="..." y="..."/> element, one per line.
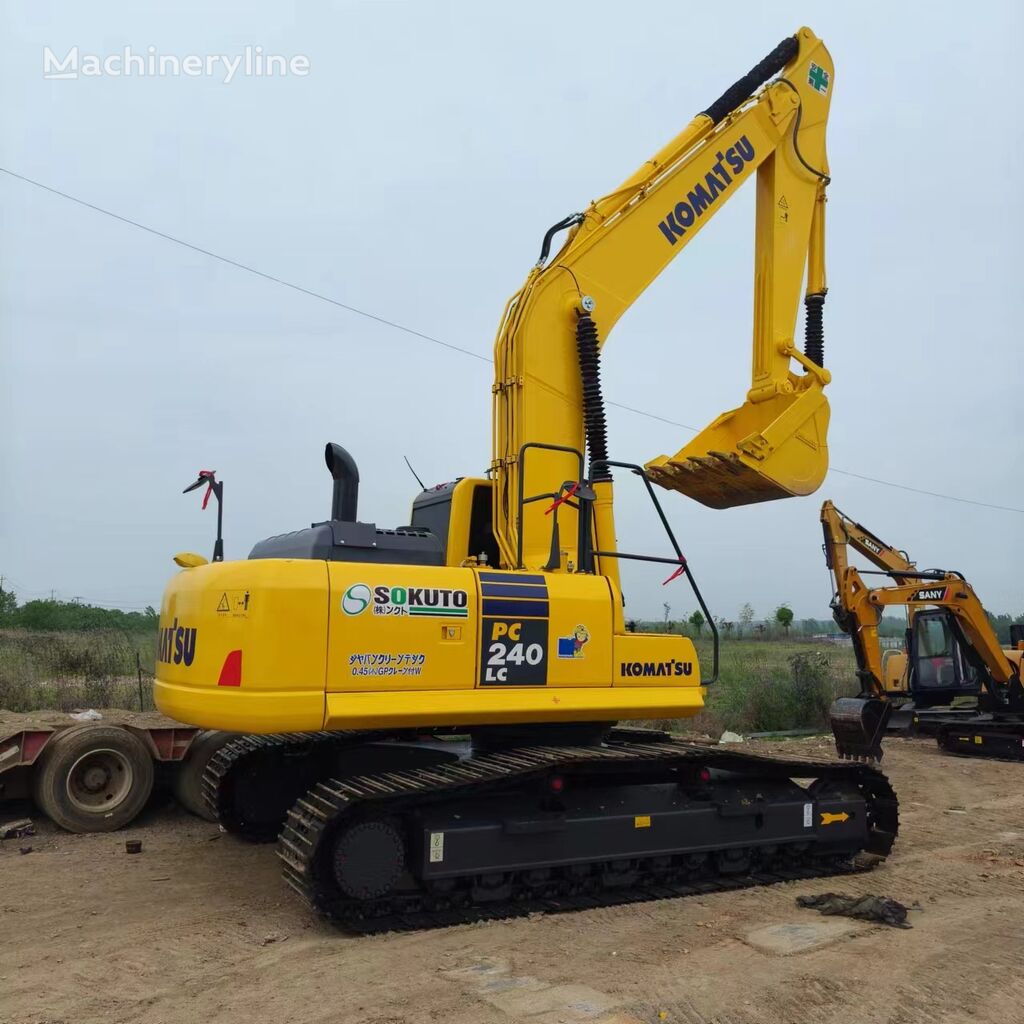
<point x="565" y="222"/>
<point x="753" y="79"/>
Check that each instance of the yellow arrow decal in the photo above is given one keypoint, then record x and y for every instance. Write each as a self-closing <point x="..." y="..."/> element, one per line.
<point x="827" y="818"/>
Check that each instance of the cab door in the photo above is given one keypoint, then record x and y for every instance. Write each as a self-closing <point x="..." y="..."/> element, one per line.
<point x="940" y="670"/>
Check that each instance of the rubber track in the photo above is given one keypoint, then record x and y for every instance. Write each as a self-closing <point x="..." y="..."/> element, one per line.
<point x="1000" y="729"/>
<point x="233" y="757"/>
<point x="307" y="830"/>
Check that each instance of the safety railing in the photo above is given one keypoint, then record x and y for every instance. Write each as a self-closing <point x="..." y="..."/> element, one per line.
<point x="586" y="551"/>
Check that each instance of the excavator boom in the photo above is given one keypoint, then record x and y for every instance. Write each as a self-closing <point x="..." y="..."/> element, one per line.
<point x="546" y="355"/>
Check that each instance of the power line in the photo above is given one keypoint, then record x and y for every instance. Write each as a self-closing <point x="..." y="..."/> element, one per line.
<point x="931" y="494"/>
<point x="430" y="338"/>
<point x="7" y="582"/>
<point x="244" y="266"/>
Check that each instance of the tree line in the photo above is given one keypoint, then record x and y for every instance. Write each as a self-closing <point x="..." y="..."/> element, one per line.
<point x="781" y="624"/>
<point x="71" y="616"/>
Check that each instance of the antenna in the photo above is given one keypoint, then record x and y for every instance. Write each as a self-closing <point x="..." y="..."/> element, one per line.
<point x="423" y="486"/>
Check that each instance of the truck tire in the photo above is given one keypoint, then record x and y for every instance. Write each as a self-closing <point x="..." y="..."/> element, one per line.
<point x="93" y="778"/>
<point x="188" y="774"/>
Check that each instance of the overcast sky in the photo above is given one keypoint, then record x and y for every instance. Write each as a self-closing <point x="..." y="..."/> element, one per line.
<point x="412" y="173"/>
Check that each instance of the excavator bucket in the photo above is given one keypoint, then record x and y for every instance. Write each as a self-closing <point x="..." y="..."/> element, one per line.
<point x="758" y="452"/>
<point x="858" y="725"/>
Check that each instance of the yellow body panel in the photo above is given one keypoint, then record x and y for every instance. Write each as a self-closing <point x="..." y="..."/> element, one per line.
<point x="658" y="659"/>
<point x="894" y="671"/>
<point x="275" y="613"/>
<point x="285" y="645"/>
<point x="385" y="637"/>
<point x="581" y="619"/>
<point x="503" y="707"/>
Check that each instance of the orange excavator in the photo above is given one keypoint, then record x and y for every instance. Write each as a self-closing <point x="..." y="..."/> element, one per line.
<point x="953" y="678"/>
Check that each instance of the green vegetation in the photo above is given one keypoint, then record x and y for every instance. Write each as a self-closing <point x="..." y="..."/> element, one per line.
<point x="70" y="615"/>
<point x="784" y="617"/>
<point x="61" y="655"/>
<point x="768" y="686"/>
<point x="63" y="671"/>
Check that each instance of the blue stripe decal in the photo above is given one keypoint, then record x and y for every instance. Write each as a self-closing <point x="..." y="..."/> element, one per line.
<point x="514" y="590"/>
<point x="494" y="607"/>
<point x="511" y="577"/>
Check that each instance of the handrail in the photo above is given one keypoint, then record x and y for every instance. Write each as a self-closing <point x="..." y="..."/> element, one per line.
<point x="679" y="560"/>
<point x="522" y="501"/>
<point x="584" y="552"/>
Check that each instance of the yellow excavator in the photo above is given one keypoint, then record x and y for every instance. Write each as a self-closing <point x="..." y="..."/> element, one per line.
<point x="430" y="711"/>
<point x="952" y="678"/>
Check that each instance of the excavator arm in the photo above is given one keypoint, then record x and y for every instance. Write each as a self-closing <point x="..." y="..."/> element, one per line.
<point x="840" y="530"/>
<point x="956" y="596"/>
<point x="848" y="587"/>
<point x="547" y="376"/>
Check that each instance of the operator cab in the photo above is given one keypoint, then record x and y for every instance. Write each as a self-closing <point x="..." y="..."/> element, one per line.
<point x="459" y="513"/>
<point x="939" y="669"/>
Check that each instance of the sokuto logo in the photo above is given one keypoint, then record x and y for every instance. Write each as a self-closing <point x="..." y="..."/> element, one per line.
<point x="356" y="599"/>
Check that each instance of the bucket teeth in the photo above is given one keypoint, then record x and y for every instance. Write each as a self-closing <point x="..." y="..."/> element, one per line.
<point x="718" y="480"/>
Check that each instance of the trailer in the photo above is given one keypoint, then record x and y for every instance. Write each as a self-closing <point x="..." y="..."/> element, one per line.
<point x="94" y="772"/>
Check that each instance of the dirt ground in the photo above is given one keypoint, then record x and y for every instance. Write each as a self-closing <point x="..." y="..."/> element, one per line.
<point x="200" y="927"/>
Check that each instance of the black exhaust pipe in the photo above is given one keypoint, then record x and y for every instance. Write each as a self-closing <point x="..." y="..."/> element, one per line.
<point x="345" y="498"/>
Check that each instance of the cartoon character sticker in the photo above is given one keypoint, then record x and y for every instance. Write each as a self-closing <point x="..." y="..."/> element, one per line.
<point x="572" y="646"/>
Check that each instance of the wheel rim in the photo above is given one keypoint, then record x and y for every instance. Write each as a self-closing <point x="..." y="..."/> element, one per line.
<point x="100" y="780"/>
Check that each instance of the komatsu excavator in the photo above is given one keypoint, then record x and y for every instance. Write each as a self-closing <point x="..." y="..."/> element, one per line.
<point x="357" y="660"/>
<point x="951" y="654"/>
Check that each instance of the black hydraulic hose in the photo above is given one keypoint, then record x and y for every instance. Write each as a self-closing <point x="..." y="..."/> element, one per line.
<point x="566" y="222"/>
<point x="753" y="79"/>
<point x="796" y="134"/>
<point x="814" y="328"/>
<point x="594" y="421"/>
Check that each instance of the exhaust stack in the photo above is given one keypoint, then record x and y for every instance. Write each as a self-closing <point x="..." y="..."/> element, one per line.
<point x="345" y="496"/>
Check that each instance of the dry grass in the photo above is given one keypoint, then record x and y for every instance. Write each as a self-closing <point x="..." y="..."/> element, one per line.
<point x="64" y="671"/>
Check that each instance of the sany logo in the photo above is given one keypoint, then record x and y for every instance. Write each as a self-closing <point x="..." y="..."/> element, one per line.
<point x="929" y="594"/>
<point x="356" y="599"/>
